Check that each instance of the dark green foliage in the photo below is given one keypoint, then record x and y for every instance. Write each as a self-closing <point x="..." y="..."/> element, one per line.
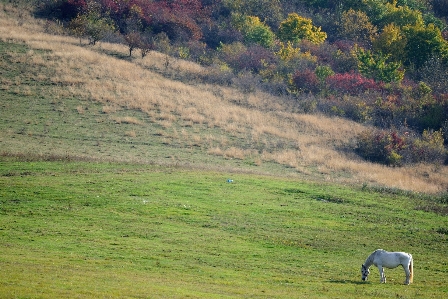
<point x="422" y="43"/>
<point x="440" y="7"/>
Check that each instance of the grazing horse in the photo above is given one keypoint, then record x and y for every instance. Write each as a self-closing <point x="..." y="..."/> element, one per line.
<point x="381" y="258"/>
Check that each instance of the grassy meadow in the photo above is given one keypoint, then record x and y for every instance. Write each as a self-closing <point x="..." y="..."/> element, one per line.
<point x="113" y="184"/>
<point x="97" y="230"/>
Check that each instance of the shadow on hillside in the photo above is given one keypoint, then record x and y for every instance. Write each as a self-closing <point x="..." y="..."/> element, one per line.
<point x="345" y="281"/>
<point x="118" y="55"/>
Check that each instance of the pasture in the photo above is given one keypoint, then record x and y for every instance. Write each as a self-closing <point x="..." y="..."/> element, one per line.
<point x="71" y="229"/>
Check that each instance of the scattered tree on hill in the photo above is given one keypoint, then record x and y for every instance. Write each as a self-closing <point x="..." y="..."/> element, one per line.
<point x="391" y="41"/>
<point x="422" y="43"/>
<point x="92" y="24"/>
<point x="146" y="44"/>
<point x="251" y="43"/>
<point x="296" y="28"/>
<point x="133" y="40"/>
<point x="356" y="26"/>
<point x="255" y="31"/>
<point x="400" y="15"/>
<point x="375" y="66"/>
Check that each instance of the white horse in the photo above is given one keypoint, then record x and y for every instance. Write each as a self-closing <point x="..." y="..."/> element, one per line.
<point x="381" y="258"/>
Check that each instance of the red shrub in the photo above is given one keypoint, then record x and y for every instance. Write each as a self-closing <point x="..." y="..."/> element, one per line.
<point x="381" y="146"/>
<point x="306" y="81"/>
<point x="351" y="83"/>
<point x="178" y="19"/>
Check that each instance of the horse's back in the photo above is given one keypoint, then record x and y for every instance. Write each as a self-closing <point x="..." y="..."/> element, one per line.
<point x="392" y="259"/>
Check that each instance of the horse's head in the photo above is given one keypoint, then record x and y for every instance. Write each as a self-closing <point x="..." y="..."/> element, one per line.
<point x="364" y="272"/>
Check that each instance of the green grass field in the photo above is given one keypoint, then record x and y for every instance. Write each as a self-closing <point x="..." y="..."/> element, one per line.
<point x="107" y="230"/>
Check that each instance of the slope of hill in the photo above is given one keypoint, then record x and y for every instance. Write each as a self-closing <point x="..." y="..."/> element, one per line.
<point x="64" y="99"/>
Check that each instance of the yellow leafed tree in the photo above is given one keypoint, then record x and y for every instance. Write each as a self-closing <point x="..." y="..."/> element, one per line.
<point x="296" y="28"/>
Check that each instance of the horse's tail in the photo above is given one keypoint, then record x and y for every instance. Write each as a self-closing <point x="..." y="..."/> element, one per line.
<point x="411" y="269"/>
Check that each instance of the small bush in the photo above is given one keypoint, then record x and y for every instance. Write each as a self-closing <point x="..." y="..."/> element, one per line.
<point x="254" y="59"/>
<point x="381" y="146"/>
<point x="347" y="106"/>
<point x="306" y="81"/>
<point x="214" y="36"/>
<point x="246" y="81"/>
<point x="394" y="149"/>
<point x="430" y="148"/>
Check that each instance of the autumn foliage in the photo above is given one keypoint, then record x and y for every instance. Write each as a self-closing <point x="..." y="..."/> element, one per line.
<point x="397" y="148"/>
<point x="352" y="84"/>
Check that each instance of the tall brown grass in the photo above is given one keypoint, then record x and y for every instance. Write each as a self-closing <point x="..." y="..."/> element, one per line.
<point x="257" y="125"/>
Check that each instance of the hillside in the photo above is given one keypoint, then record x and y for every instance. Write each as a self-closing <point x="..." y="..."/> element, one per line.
<point x="62" y="99"/>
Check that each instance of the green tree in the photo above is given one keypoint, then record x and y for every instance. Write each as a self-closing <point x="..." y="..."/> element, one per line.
<point x="92" y="24"/>
<point x="391" y="41"/>
<point x="98" y="28"/>
<point x="322" y="73"/>
<point x="269" y="11"/>
<point x="376" y="10"/>
<point x="296" y="28"/>
<point x="375" y="66"/>
<point x="401" y="16"/>
<point x="255" y="31"/>
<point x="423" y="42"/>
<point x="356" y="26"/>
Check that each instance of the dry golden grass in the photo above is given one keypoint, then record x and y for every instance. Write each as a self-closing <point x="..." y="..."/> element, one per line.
<point x="80" y="109"/>
<point x="127" y="120"/>
<point x="270" y="131"/>
<point x="110" y="109"/>
<point x="131" y="133"/>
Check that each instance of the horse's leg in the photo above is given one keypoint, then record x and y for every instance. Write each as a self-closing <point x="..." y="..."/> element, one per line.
<point x="408" y="274"/>
<point x="382" y="275"/>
